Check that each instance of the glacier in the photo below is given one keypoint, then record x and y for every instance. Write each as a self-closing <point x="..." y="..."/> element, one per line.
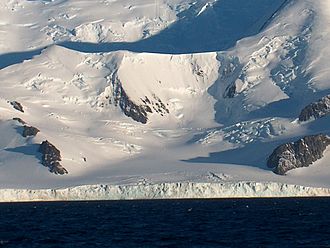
<point x="180" y="190"/>
<point x="130" y="91"/>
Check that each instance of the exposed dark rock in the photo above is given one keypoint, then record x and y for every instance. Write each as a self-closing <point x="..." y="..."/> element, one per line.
<point x="301" y="153"/>
<point x="200" y="73"/>
<point x="146" y="100"/>
<point x="138" y="112"/>
<point x="51" y="158"/>
<point x="147" y="109"/>
<point x="17" y="106"/>
<point x="30" y="131"/>
<point x="316" y="109"/>
<point x="27" y="130"/>
<point x="230" y="91"/>
<point x="158" y="106"/>
<point x="19" y="120"/>
<point x="130" y="109"/>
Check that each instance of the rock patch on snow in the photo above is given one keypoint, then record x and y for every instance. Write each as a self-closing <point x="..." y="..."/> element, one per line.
<point x="301" y="153"/>
<point x="30" y="131"/>
<point x="16" y="105"/>
<point x="129" y="108"/>
<point x="51" y="158"/>
<point x="316" y="109"/>
<point x="27" y="130"/>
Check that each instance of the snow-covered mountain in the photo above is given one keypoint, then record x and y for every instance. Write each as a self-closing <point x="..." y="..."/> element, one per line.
<point x="161" y="91"/>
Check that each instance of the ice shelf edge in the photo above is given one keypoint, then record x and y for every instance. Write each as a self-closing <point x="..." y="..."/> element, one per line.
<point x="180" y="190"/>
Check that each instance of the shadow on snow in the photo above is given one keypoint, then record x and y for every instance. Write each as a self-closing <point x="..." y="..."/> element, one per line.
<point x="31" y="150"/>
<point x="218" y="28"/>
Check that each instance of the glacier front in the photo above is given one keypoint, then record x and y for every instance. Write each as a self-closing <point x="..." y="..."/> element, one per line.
<point x="184" y="190"/>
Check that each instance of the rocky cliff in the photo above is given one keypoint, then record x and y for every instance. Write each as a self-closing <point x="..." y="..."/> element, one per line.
<point x="301" y="153"/>
<point x="316" y="109"/>
<point x="51" y="158"/>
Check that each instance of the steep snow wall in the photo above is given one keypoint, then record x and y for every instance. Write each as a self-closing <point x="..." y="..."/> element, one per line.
<point x="185" y="190"/>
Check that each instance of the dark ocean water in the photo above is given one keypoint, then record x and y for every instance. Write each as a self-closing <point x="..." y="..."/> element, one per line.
<point x="172" y="223"/>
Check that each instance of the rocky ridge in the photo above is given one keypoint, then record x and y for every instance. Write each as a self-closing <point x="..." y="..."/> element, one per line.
<point x="301" y="153"/>
<point x="316" y="109"/>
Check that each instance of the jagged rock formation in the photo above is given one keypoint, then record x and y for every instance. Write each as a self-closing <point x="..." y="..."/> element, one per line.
<point x="157" y="105"/>
<point x="130" y="109"/>
<point x="17" y="106"/>
<point x="316" y="109"/>
<point x="301" y="153"/>
<point x="138" y="112"/>
<point x="30" y="131"/>
<point x="51" y="157"/>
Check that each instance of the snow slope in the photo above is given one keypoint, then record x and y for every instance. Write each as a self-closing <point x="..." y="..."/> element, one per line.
<point x="160" y="91"/>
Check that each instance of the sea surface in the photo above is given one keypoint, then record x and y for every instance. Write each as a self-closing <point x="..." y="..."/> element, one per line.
<point x="168" y="223"/>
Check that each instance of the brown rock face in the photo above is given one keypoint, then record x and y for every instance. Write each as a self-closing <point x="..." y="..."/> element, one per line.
<point x="51" y="158"/>
<point x="30" y="131"/>
<point x="301" y="153"/>
<point x="137" y="111"/>
<point x="316" y="109"/>
<point x="17" y="106"/>
<point x="129" y="108"/>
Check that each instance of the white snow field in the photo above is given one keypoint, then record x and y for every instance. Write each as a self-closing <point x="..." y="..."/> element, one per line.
<point x="160" y="98"/>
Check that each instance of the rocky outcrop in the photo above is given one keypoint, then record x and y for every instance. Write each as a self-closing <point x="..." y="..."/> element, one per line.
<point x="51" y="158"/>
<point x="301" y="153"/>
<point x="30" y="131"/>
<point x="316" y="109"/>
<point x="156" y="105"/>
<point x="17" y="106"/>
<point x="137" y="109"/>
<point x="27" y="130"/>
<point x="130" y="109"/>
<point x="138" y="112"/>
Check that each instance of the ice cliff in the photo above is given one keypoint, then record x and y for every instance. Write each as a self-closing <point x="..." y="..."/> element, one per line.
<point x="184" y="190"/>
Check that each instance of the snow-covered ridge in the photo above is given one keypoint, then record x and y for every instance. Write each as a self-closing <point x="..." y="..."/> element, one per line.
<point x="212" y="98"/>
<point x="186" y="190"/>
